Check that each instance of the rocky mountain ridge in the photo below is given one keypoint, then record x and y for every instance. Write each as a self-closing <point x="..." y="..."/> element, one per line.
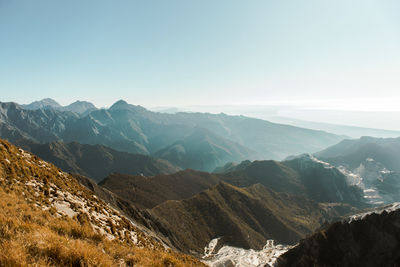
<point x="370" y="163"/>
<point x="371" y="239"/>
<point x="80" y="107"/>
<point x="134" y="129"/>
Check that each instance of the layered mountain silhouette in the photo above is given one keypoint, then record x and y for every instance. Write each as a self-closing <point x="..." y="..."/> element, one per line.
<point x="97" y="161"/>
<point x="367" y="240"/>
<point x="134" y="129"/>
<point x="244" y="207"/>
<point x="203" y="150"/>
<point x="155" y="167"/>
<point x="302" y="176"/>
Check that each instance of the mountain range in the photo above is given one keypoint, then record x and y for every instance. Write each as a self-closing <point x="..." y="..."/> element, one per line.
<point x="175" y="137"/>
<point x="196" y="207"/>
<point x="80" y="107"/>
<point x="172" y="183"/>
<point x="143" y="182"/>
<point x="205" y="207"/>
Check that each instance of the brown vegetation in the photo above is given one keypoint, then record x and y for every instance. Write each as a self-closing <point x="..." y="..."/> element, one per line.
<point x="34" y="232"/>
<point x="148" y="192"/>
<point x="244" y="217"/>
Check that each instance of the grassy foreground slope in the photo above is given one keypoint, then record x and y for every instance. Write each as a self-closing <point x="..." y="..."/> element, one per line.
<point x="48" y="219"/>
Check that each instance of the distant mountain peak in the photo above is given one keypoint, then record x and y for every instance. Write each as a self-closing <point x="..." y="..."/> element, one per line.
<point x="80" y="107"/>
<point x="120" y="104"/>
<point x="44" y="103"/>
<point x="123" y="105"/>
<point x="47" y="99"/>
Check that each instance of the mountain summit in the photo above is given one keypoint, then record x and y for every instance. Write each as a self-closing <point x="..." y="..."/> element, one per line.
<point x="44" y="103"/>
<point x="120" y="104"/>
<point x="80" y="107"/>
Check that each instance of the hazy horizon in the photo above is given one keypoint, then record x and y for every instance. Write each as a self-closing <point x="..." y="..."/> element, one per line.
<point x="286" y="114"/>
<point x="307" y="56"/>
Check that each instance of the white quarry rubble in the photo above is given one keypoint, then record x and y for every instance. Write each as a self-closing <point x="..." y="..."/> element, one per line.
<point x="363" y="179"/>
<point x="228" y="256"/>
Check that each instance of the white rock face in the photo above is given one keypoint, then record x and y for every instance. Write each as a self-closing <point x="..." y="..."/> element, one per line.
<point x="388" y="208"/>
<point x="368" y="176"/>
<point x="229" y="256"/>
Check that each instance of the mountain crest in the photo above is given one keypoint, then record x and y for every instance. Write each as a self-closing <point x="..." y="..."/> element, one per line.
<point x="44" y="103"/>
<point x="120" y="104"/>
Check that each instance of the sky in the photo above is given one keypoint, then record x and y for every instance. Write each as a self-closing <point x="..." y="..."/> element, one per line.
<point x="321" y="54"/>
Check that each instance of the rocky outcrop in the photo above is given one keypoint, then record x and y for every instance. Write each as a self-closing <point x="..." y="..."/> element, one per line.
<point x="372" y="239"/>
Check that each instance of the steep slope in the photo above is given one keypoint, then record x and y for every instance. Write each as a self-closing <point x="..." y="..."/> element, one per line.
<point x="354" y="152"/>
<point x="41" y="125"/>
<point x="368" y="240"/>
<point x="97" y="161"/>
<point x="272" y="174"/>
<point x="151" y="191"/>
<point x="316" y="182"/>
<point x="133" y="212"/>
<point x="241" y="217"/>
<point x="195" y="207"/>
<point x="47" y="218"/>
<point x="203" y="150"/>
<point x="371" y="163"/>
<point x="303" y="175"/>
<point x="325" y="183"/>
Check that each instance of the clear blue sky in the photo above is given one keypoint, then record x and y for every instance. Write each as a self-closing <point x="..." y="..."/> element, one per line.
<point x="201" y="52"/>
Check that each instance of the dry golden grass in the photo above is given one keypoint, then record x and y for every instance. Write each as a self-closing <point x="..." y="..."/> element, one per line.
<point x="32" y="236"/>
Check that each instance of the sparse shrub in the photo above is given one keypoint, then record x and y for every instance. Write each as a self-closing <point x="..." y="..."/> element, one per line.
<point x="36" y="237"/>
